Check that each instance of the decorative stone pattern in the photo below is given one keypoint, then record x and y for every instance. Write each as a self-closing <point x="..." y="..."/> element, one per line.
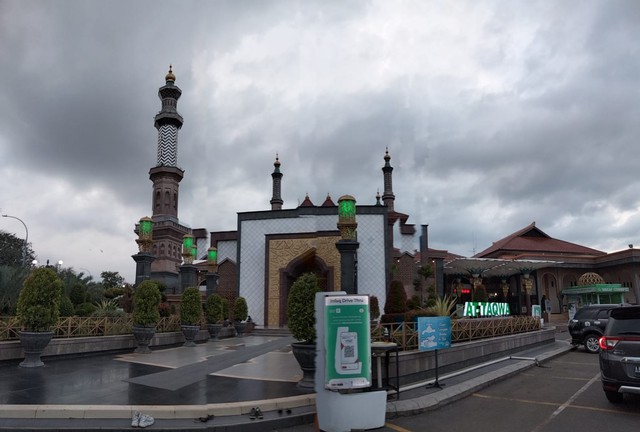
<point x="282" y="252"/>
<point x="167" y="145"/>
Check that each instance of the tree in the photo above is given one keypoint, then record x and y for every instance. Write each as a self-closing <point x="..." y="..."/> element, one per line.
<point x="78" y="294"/>
<point x="12" y="249"/>
<point x="396" y="302"/>
<point x="111" y="280"/>
<point x="11" y="280"/>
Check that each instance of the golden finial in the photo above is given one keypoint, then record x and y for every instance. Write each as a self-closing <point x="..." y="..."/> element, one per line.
<point x="170" y="76"/>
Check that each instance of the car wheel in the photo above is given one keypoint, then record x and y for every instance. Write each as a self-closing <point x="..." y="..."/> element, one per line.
<point x="591" y="344"/>
<point x="613" y="397"/>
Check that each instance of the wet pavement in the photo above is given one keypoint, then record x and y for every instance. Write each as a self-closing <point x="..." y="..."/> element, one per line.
<point x="212" y="386"/>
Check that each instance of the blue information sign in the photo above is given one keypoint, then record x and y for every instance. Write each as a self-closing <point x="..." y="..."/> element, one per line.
<point x="434" y="333"/>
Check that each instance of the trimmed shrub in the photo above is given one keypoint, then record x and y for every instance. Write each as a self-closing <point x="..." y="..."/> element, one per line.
<point x="414" y="302"/>
<point x="66" y="307"/>
<point x="301" y="308"/>
<point x="240" y="309"/>
<point x="78" y="294"/>
<point x="145" y="304"/>
<point x="85" y="309"/>
<point x="39" y="301"/>
<point x="374" y="307"/>
<point x="190" y="307"/>
<point x="215" y="309"/>
<point x="396" y="298"/>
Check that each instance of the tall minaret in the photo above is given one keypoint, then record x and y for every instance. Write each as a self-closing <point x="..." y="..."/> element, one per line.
<point x="387" y="196"/>
<point x="166" y="175"/>
<point x="168" y="232"/>
<point x="276" y="175"/>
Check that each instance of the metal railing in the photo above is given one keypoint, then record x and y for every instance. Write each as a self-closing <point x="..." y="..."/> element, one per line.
<point x="405" y="334"/>
<point x="68" y="327"/>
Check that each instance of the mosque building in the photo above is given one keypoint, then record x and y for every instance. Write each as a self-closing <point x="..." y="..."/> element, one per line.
<point x="270" y="248"/>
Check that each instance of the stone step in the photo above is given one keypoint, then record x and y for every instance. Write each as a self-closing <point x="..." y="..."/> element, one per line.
<point x="271" y="331"/>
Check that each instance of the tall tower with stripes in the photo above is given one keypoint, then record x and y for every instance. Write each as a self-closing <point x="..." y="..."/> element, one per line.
<point x="166" y="176"/>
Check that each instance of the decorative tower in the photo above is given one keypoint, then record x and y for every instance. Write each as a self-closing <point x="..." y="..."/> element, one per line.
<point x="166" y="176"/>
<point x="348" y="244"/>
<point x="388" y="197"/>
<point x="276" y="175"/>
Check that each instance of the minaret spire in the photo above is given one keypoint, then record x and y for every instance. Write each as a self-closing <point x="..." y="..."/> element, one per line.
<point x="276" y="175"/>
<point x="168" y="232"/>
<point x="168" y="121"/>
<point x="388" y="197"/>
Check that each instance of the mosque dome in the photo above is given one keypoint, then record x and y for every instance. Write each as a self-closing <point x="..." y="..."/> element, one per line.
<point x="590" y="278"/>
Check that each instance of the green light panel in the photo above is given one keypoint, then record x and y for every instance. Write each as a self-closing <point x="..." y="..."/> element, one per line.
<point x="146" y="226"/>
<point x="213" y="255"/>
<point x="187" y="243"/>
<point x="347" y="209"/>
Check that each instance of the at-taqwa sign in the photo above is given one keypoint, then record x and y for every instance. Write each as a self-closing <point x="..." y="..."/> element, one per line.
<point x="474" y="309"/>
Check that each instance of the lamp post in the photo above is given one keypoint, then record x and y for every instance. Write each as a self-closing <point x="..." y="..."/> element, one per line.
<point x="26" y="238"/>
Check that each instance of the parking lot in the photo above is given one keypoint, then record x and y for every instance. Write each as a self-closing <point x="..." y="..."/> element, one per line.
<point x="562" y="395"/>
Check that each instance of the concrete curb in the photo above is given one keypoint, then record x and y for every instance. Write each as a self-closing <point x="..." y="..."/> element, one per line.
<point x="458" y="391"/>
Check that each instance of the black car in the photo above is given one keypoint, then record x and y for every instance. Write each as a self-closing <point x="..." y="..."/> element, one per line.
<point x="587" y="326"/>
<point x="620" y="353"/>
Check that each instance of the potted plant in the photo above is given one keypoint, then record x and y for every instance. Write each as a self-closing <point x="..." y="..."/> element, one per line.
<point x="38" y="310"/>
<point x="190" y="315"/>
<point x="301" y="321"/>
<point x="214" y="315"/>
<point x="240" y="313"/>
<point x="145" y="314"/>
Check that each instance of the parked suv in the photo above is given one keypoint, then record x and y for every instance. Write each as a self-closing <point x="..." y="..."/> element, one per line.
<point x="588" y="325"/>
<point x="620" y="353"/>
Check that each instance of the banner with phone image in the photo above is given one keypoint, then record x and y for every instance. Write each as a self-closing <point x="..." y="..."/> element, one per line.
<point x="347" y="342"/>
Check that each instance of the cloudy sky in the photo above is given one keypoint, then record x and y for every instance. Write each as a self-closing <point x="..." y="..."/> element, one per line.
<point x="496" y="114"/>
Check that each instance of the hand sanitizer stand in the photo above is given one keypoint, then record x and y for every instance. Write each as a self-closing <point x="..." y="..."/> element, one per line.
<point x="343" y="412"/>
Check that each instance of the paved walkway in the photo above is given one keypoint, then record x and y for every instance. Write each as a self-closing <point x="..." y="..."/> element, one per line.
<point x="180" y="387"/>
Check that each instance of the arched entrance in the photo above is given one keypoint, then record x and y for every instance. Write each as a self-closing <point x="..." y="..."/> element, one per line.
<point x="308" y="262"/>
<point x="550" y="290"/>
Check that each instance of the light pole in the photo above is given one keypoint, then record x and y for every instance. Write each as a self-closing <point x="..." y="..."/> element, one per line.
<point x="26" y="238"/>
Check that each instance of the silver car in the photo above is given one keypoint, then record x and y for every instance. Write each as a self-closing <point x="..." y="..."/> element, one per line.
<point x="620" y="353"/>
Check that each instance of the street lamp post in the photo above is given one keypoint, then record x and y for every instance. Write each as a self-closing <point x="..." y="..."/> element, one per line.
<point x="26" y="238"/>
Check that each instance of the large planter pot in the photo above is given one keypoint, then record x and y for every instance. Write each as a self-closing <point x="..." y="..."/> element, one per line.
<point x="33" y="343"/>
<point x="214" y="330"/>
<point x="250" y="325"/>
<point x="190" y="332"/>
<point x="240" y="327"/>
<point x="227" y="332"/>
<point x="305" y="354"/>
<point x="143" y="336"/>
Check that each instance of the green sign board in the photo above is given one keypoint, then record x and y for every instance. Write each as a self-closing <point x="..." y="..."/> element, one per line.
<point x="475" y="309"/>
<point x="347" y="342"/>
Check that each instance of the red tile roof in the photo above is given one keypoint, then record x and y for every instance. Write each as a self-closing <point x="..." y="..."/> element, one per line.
<point x="530" y="239"/>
